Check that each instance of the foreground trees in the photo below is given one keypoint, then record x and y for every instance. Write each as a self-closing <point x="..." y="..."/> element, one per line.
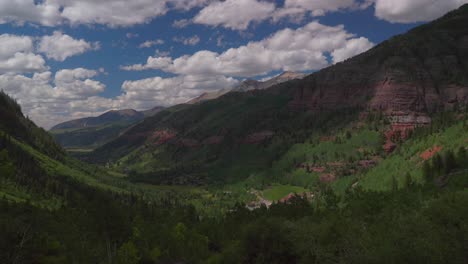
<point x="418" y="224"/>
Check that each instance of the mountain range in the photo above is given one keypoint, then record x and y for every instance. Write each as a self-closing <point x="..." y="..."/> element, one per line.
<point x="91" y="132"/>
<point x="363" y="162"/>
<point x="407" y="80"/>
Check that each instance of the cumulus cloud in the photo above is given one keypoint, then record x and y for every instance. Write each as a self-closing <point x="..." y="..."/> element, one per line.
<point x="151" y="43"/>
<point x="76" y="83"/>
<point x="60" y="46"/>
<point x="316" y="7"/>
<point x="352" y="48"/>
<point x="16" y="55"/>
<point x="72" y="93"/>
<point x="148" y="92"/>
<point x="403" y="11"/>
<point x="296" y="50"/>
<point x="181" y="23"/>
<point x="234" y="14"/>
<point x="48" y="100"/>
<point x="113" y="13"/>
<point x="21" y="11"/>
<point x="192" y="41"/>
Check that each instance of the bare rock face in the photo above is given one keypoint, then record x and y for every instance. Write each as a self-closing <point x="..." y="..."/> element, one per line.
<point x="428" y="154"/>
<point x="402" y="124"/>
<point x="162" y="136"/>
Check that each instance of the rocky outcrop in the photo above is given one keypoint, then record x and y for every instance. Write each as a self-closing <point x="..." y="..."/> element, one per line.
<point x="402" y="124"/>
<point x="428" y="154"/>
<point x="162" y="136"/>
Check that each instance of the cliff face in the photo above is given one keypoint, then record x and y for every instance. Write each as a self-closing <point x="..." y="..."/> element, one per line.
<point x="422" y="71"/>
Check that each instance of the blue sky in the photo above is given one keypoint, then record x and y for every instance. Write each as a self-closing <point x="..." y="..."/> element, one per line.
<point x="64" y="59"/>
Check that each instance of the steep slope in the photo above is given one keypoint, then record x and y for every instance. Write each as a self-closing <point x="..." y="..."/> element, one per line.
<point x="248" y="85"/>
<point x="209" y="96"/>
<point x="152" y="111"/>
<point x="37" y="165"/>
<point x="424" y="70"/>
<point x="57" y="210"/>
<point x="404" y="80"/>
<point x="91" y="132"/>
<point x="13" y="122"/>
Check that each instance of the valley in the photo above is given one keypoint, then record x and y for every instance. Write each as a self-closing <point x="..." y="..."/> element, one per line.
<point x="364" y="161"/>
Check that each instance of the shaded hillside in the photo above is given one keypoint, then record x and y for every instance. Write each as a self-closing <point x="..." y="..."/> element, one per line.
<point x="424" y="70"/>
<point x="91" y="132"/>
<point x="13" y="122"/>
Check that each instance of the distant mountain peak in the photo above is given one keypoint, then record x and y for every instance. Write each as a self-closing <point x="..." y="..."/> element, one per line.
<point x="112" y="116"/>
<point x="248" y="85"/>
<point x="291" y="75"/>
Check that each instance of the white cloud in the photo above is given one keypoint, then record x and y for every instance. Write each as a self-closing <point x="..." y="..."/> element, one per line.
<point x="352" y="48"/>
<point x="192" y="41"/>
<point x="234" y="14"/>
<point x="318" y="7"/>
<point x="11" y="44"/>
<point x="76" y="84"/>
<point x="149" y="92"/>
<point x="60" y="46"/>
<point x="50" y="100"/>
<point x="302" y="49"/>
<point x="181" y="23"/>
<point x="131" y="35"/>
<point x="151" y="43"/>
<point x="114" y="13"/>
<point x="72" y="93"/>
<point x="188" y="4"/>
<point x="403" y="11"/>
<point x="16" y="55"/>
<point x="21" y="11"/>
